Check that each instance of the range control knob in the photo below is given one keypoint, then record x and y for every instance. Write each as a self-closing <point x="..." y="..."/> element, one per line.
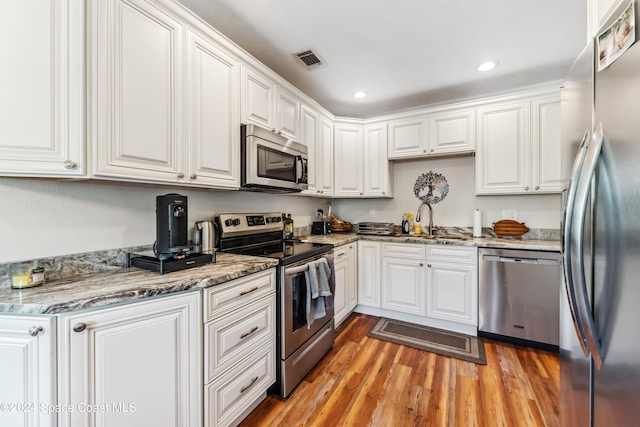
<point x="278" y="219"/>
<point x="274" y="219"/>
<point x="228" y="222"/>
<point x="268" y="220"/>
<point x="236" y="221"/>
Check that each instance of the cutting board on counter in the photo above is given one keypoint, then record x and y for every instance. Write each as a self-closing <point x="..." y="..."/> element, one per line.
<point x="509" y="228"/>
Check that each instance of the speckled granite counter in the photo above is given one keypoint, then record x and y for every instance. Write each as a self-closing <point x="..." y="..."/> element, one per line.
<point x="126" y="285"/>
<point x="337" y="239"/>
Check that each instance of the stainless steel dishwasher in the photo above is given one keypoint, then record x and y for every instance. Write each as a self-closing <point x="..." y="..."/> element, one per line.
<point x="519" y="294"/>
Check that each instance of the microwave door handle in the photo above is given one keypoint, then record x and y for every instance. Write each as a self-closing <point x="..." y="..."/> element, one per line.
<point x="583" y="191"/>
<point x="567" y="241"/>
<point x="300" y="169"/>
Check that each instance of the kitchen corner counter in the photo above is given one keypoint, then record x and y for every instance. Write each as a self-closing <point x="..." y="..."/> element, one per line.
<point x="126" y="285"/>
<point x="338" y="239"/>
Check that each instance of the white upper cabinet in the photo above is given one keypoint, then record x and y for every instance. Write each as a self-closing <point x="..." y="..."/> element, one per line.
<point x="348" y="143"/>
<point x="42" y="85"/>
<point x="213" y="114"/>
<point x="137" y="92"/>
<point x="377" y="169"/>
<point x="316" y="132"/>
<point x="545" y="144"/>
<point x="435" y="132"/>
<point x="452" y="132"/>
<point x="361" y="165"/>
<point x="408" y="138"/>
<point x="518" y="146"/>
<point x="268" y="105"/>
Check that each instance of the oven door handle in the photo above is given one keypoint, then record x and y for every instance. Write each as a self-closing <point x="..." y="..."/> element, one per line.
<point x="296" y="270"/>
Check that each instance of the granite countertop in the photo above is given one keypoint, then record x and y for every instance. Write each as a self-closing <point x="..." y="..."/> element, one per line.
<point x="337" y="239"/>
<point x="126" y="285"/>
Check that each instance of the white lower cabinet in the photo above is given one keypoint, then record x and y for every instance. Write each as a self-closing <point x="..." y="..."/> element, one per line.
<point x="434" y="285"/>
<point x="28" y="371"/>
<point x="369" y="273"/>
<point x="132" y="365"/>
<point x="452" y="284"/>
<point x="403" y="277"/>
<point x="346" y="291"/>
<point x="239" y="346"/>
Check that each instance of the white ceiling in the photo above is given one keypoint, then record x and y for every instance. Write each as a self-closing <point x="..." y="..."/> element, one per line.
<point x="404" y="53"/>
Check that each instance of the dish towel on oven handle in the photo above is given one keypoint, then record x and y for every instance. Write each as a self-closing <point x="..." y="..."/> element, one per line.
<point x="317" y="276"/>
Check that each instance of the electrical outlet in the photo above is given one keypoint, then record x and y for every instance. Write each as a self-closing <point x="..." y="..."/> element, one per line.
<point x="510" y="214"/>
<point x="372" y="213"/>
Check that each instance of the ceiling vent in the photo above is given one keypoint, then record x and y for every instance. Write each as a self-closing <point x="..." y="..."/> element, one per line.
<point x="310" y="59"/>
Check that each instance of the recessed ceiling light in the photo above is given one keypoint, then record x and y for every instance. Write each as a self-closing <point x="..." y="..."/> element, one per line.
<point x="360" y="95"/>
<point x="486" y="66"/>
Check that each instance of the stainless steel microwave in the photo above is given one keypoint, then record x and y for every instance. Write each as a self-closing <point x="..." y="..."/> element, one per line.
<point x="271" y="162"/>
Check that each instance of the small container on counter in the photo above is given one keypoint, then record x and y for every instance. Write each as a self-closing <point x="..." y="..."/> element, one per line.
<point x="27" y="275"/>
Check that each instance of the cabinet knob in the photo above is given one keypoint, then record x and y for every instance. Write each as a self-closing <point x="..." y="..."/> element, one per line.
<point x="273" y="129"/>
<point x="35" y="330"/>
<point x="526" y="188"/>
<point x="429" y="265"/>
<point x="537" y="187"/>
<point x="80" y="327"/>
<point x="421" y="264"/>
<point x="70" y="165"/>
<point x="424" y="151"/>
<point x="180" y="175"/>
<point x="279" y="132"/>
<point x="361" y="194"/>
<point x="384" y="193"/>
<point x="194" y="176"/>
<point x="432" y="150"/>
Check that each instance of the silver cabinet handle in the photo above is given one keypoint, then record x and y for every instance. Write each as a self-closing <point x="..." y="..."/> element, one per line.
<point x="249" y="291"/>
<point x="194" y="176"/>
<point x="180" y="175"/>
<point x="35" y="330"/>
<point x="80" y="327"/>
<point x="69" y="164"/>
<point x="243" y="336"/>
<point x="341" y="254"/>
<point x="247" y="387"/>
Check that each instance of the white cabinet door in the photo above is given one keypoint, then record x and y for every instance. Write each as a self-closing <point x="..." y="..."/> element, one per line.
<point x="257" y="99"/>
<point x="403" y="284"/>
<point x="140" y="362"/>
<point x="452" y="132"/>
<point x="545" y="145"/>
<point x="28" y="371"/>
<point x="502" y="155"/>
<point x="369" y="273"/>
<point x="136" y="92"/>
<point x="341" y="267"/>
<point x="377" y="170"/>
<point x="452" y="292"/>
<point x="309" y="130"/>
<point x="408" y="137"/>
<point x="287" y="115"/>
<point x="42" y="85"/>
<point x="324" y="166"/>
<point x="346" y="293"/>
<point x="213" y="115"/>
<point x="348" y="160"/>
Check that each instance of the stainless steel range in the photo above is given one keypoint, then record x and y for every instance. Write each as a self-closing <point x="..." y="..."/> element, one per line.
<point x="301" y="343"/>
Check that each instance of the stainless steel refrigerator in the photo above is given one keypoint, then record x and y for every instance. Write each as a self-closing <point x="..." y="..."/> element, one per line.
<point x="600" y="299"/>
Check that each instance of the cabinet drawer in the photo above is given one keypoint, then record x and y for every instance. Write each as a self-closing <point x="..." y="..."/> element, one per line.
<point x="238" y="293"/>
<point x="232" y="393"/>
<point x="229" y="338"/>
<point x="404" y="250"/>
<point x="456" y="254"/>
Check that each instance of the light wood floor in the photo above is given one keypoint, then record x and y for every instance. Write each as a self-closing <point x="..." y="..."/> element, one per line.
<point x="367" y="382"/>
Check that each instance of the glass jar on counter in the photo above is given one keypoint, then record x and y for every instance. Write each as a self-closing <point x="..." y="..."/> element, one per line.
<point x="27" y="275"/>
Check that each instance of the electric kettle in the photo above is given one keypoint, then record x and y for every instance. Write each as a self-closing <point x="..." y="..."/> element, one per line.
<point x="205" y="236"/>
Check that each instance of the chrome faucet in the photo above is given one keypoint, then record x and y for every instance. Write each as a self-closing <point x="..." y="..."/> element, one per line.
<point x="419" y="214"/>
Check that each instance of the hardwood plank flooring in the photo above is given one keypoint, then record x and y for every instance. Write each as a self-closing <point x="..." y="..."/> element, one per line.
<point x="363" y="381"/>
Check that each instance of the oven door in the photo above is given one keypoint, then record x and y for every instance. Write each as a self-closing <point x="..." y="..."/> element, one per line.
<point x="270" y="165"/>
<point x="295" y="330"/>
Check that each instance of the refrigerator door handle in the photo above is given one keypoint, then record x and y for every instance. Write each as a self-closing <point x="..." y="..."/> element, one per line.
<point x="583" y="190"/>
<point x="567" y="248"/>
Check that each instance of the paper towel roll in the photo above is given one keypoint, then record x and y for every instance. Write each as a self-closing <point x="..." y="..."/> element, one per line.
<point x="477" y="223"/>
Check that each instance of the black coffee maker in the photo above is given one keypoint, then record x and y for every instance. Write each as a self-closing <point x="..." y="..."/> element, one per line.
<point x="171" y="226"/>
